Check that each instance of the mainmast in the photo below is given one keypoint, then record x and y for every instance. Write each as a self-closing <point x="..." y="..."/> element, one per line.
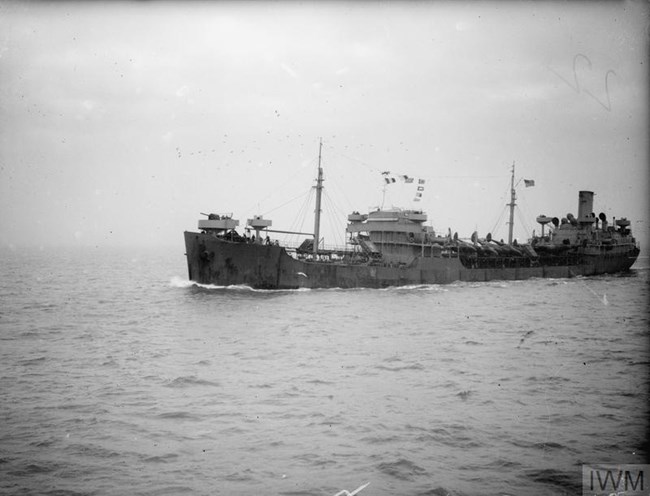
<point x="319" y="191"/>
<point x="513" y="197"/>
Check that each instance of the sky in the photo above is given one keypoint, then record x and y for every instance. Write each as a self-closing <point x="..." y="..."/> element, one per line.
<point x="120" y="122"/>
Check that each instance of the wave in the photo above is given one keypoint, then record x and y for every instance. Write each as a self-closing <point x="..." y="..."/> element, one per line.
<point x="438" y="491"/>
<point x="166" y="458"/>
<point x="190" y="380"/>
<point x="32" y="361"/>
<point x="401" y="469"/>
<point x="35" y="469"/>
<point x="417" y="287"/>
<point x="415" y="366"/>
<point x="564" y="480"/>
<point x="549" y="446"/>
<point x="178" y="415"/>
<point x="179" y="282"/>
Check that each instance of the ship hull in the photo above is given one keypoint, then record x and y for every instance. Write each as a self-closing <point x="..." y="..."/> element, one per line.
<point x="215" y="261"/>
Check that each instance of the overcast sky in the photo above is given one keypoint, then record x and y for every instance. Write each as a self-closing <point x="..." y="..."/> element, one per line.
<point x="120" y="122"/>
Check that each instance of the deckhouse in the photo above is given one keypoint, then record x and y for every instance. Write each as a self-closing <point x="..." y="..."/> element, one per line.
<point x="395" y="234"/>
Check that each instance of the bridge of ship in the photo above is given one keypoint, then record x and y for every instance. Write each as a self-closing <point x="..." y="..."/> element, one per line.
<point x="398" y="235"/>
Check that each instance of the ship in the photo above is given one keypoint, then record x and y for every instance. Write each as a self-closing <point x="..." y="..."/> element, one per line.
<point x="389" y="247"/>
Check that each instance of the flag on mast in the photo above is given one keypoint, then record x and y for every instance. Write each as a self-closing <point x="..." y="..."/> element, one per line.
<point x="529" y="182"/>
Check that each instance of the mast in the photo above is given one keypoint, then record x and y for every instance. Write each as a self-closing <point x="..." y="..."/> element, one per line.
<point x="513" y="197"/>
<point x="319" y="191"/>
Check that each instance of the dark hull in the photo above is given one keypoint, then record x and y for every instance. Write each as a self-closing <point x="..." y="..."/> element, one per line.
<point x="211" y="260"/>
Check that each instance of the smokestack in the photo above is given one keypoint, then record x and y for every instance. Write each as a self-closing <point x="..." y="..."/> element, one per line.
<point x="585" y="207"/>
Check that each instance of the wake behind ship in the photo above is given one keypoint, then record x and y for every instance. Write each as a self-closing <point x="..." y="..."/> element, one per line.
<point x="394" y="247"/>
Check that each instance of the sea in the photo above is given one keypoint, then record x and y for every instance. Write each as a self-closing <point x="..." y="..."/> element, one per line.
<point x="118" y="376"/>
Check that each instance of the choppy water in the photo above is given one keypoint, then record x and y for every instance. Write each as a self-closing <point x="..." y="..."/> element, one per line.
<point x="118" y="377"/>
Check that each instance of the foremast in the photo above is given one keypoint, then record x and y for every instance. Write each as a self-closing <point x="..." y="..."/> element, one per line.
<point x="512" y="204"/>
<point x="319" y="192"/>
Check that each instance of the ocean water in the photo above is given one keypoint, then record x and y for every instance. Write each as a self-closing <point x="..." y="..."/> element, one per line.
<point x="118" y="376"/>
